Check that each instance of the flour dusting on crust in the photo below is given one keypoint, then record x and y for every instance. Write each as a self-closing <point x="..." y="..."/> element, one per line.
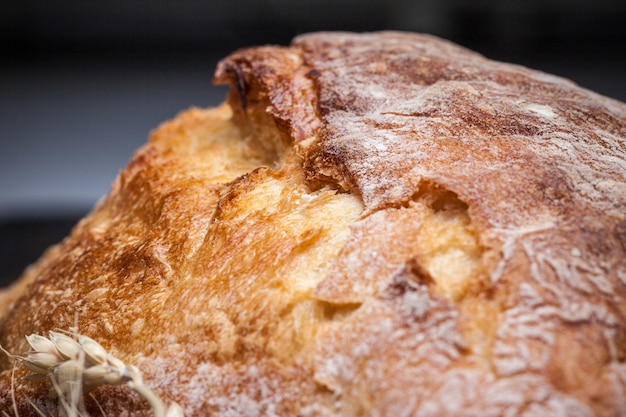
<point x="374" y="224"/>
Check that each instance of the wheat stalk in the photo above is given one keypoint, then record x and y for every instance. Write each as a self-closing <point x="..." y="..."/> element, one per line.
<point x="76" y="364"/>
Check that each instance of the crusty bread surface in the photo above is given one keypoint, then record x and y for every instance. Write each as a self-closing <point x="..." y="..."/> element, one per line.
<point x="378" y="224"/>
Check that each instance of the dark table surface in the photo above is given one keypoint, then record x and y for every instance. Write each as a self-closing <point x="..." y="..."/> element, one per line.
<point x="23" y="240"/>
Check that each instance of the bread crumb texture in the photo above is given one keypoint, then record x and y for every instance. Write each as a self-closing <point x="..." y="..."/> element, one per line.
<point x="381" y="224"/>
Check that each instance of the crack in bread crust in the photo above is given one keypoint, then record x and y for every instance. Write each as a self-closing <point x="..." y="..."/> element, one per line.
<point x="540" y="164"/>
<point x="375" y="224"/>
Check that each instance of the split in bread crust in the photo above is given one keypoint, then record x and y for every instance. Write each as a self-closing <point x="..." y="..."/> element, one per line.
<point x="374" y="224"/>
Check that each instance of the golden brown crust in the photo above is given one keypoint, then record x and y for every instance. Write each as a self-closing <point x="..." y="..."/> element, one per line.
<point x="386" y="224"/>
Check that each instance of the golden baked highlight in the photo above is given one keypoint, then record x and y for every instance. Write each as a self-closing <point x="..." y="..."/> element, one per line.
<point x="378" y="224"/>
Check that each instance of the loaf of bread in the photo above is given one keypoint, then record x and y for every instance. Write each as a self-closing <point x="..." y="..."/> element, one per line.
<point x="379" y="224"/>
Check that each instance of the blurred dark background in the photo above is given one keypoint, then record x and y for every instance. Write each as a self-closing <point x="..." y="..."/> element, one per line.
<point x="82" y="82"/>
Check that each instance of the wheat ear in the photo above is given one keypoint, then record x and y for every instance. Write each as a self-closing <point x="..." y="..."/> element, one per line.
<point x="76" y="364"/>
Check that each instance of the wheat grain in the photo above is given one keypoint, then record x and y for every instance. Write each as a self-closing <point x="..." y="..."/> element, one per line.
<point x="13" y="391"/>
<point x="76" y="364"/>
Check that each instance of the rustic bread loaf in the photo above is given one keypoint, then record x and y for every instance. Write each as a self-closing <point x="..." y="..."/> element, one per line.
<point x="379" y="224"/>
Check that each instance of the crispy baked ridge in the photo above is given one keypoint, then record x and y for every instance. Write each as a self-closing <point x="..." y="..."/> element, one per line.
<point x="537" y="167"/>
<point x="198" y="267"/>
<point x="378" y="224"/>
